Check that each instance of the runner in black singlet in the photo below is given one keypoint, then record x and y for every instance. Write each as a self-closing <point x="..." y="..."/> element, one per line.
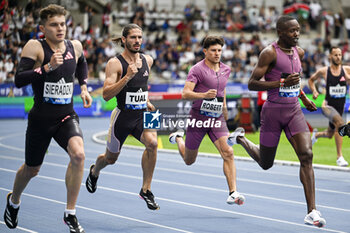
<point x="337" y="77"/>
<point x="50" y="65"/>
<point x="126" y="79"/>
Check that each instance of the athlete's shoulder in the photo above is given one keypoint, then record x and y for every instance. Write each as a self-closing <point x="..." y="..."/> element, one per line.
<point x="301" y="52"/>
<point x="32" y="49"/>
<point x="78" y="47"/>
<point x="76" y="43"/>
<point x="114" y="62"/>
<point x="224" y="66"/>
<point x="198" y="66"/>
<point x="33" y="43"/>
<point x="149" y="59"/>
<point x="347" y="69"/>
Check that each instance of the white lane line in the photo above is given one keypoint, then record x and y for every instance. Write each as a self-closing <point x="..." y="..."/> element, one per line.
<point x="176" y="202"/>
<point x="187" y="186"/>
<point x="101" y="212"/>
<point x="179" y="184"/>
<point x="21" y="228"/>
<point x="162" y="159"/>
<point x="208" y="175"/>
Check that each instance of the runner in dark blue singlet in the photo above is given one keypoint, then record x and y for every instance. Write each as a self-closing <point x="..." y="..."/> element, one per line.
<point x="337" y="78"/>
<point x="50" y="65"/>
<point x="126" y="79"/>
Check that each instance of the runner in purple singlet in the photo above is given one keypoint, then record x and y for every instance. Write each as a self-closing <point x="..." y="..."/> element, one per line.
<point x="280" y="64"/>
<point x="205" y="85"/>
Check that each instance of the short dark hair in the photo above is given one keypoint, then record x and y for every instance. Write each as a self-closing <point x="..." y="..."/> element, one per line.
<point x="50" y="11"/>
<point x="282" y="20"/>
<point x="333" y="47"/>
<point x="125" y="33"/>
<point x="213" y="40"/>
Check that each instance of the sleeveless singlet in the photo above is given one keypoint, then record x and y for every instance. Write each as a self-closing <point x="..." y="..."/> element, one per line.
<point x="285" y="64"/>
<point x="135" y="94"/>
<point x="53" y="94"/>
<point x="336" y="88"/>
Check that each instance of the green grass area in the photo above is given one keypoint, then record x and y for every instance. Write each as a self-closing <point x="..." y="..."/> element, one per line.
<point x="324" y="149"/>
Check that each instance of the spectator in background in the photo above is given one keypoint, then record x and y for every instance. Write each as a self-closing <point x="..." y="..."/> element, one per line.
<point x="3" y="74"/>
<point x="347" y="26"/>
<point x="315" y="14"/>
<point x="338" y="25"/>
<point x="106" y="22"/>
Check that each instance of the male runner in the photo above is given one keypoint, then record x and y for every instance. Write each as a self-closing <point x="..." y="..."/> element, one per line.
<point x="126" y="79"/>
<point x="50" y="65"/>
<point x="336" y="77"/>
<point x="280" y="64"/>
<point x="206" y="86"/>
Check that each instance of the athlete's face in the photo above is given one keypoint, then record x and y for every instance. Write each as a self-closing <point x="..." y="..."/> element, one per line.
<point x="290" y="32"/>
<point x="133" y="41"/>
<point x="55" y="28"/>
<point x="336" y="56"/>
<point x="213" y="53"/>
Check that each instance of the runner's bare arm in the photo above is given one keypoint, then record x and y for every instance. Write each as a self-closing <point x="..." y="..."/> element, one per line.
<point x="114" y="83"/>
<point x="266" y="59"/>
<point x="189" y="94"/>
<point x="320" y="73"/>
<point x="224" y="110"/>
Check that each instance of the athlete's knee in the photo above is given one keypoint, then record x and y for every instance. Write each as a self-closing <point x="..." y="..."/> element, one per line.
<point x="152" y="144"/>
<point x="266" y="166"/>
<point x="77" y="157"/>
<point x="227" y="153"/>
<point x="305" y="157"/>
<point x="189" y="161"/>
<point x="31" y="171"/>
<point x="111" y="160"/>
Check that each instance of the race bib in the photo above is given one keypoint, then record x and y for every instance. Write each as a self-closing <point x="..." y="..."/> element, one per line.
<point x="292" y="91"/>
<point x="136" y="100"/>
<point x="212" y="108"/>
<point x="58" y="93"/>
<point x="337" y="91"/>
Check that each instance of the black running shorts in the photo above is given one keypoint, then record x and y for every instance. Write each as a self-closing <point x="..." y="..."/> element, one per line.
<point x="40" y="131"/>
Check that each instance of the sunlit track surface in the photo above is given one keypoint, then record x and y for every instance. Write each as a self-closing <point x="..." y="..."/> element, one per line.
<point x="191" y="198"/>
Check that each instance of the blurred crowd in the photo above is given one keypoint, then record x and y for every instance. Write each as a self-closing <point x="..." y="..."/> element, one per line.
<point x="175" y="42"/>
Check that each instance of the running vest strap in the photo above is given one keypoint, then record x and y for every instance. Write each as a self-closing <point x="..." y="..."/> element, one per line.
<point x="336" y="88"/>
<point x="135" y="93"/>
<point x="56" y="88"/>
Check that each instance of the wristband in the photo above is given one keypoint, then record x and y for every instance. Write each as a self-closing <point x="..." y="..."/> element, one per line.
<point x="50" y="67"/>
<point x="301" y="93"/>
<point x="282" y="82"/>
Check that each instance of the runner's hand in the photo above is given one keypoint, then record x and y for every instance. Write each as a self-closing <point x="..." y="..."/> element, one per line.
<point x="315" y="95"/>
<point x="310" y="106"/>
<point x="292" y="79"/>
<point x="210" y="94"/>
<point x="150" y="107"/>
<point x="56" y="59"/>
<point x="132" y="70"/>
<point x="87" y="100"/>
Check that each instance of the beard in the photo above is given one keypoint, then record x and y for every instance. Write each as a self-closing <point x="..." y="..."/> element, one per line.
<point x="130" y="48"/>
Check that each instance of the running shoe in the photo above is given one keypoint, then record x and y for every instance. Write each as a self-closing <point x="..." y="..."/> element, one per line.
<point x="91" y="181"/>
<point x="341" y="162"/>
<point x="10" y="215"/>
<point x="173" y="136"/>
<point x="232" y="139"/>
<point x="149" y="199"/>
<point x="73" y="224"/>
<point x="235" y="198"/>
<point x="313" y="137"/>
<point x="314" y="218"/>
<point x="344" y="130"/>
